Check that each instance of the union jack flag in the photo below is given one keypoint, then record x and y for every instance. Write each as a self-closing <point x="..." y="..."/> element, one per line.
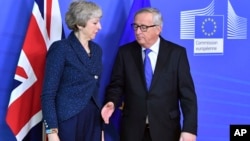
<point x="45" y="27"/>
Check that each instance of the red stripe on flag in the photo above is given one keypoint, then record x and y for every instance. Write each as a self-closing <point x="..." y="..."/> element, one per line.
<point x="20" y="71"/>
<point x="48" y="19"/>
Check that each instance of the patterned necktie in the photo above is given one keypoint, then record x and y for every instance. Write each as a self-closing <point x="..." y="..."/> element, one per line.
<point x="148" y="68"/>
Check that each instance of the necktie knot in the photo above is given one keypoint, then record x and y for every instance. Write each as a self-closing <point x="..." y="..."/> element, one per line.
<point x="147" y="51"/>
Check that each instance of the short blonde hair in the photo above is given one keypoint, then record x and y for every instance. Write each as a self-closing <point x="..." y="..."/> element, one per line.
<point x="80" y="12"/>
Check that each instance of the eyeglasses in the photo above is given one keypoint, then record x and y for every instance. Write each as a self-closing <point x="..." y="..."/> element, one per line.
<point x="143" y="28"/>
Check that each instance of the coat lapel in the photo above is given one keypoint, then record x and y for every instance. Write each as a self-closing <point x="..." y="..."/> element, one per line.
<point x="163" y="56"/>
<point x="137" y="54"/>
<point x="82" y="54"/>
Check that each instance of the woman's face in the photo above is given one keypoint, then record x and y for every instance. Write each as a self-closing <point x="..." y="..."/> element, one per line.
<point x="92" y="27"/>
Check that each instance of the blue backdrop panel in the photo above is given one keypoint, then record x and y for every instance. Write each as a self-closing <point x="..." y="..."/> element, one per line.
<point x="220" y="65"/>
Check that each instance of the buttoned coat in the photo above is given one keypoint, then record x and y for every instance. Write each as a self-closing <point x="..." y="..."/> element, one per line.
<point x="71" y="79"/>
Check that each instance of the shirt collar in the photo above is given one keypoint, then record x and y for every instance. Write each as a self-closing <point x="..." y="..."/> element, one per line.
<point x="155" y="47"/>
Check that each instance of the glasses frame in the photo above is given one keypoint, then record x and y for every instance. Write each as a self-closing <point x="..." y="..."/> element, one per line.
<point x="143" y="28"/>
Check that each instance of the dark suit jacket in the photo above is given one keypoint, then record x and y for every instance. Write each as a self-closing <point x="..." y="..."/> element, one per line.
<point x="71" y="79"/>
<point x="172" y="83"/>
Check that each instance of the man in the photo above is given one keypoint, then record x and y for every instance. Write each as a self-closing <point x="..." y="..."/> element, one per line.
<point x="153" y="113"/>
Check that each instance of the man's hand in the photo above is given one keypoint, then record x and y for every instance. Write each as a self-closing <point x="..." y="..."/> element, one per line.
<point x="185" y="136"/>
<point x="107" y="111"/>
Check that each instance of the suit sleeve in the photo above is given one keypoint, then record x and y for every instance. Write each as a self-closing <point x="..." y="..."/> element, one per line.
<point x="188" y="99"/>
<point x="114" y="90"/>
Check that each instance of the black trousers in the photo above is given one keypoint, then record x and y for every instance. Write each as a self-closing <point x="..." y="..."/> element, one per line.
<point x="147" y="136"/>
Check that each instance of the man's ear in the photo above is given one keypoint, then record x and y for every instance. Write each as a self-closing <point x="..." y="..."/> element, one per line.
<point x="159" y="29"/>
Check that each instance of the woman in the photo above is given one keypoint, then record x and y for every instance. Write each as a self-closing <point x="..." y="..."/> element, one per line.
<point x="73" y="68"/>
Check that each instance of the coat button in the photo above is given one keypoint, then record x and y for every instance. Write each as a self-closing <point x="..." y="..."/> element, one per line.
<point x="96" y="77"/>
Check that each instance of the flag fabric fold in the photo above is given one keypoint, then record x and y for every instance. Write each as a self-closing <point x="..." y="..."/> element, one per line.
<point x="128" y="33"/>
<point x="24" y="109"/>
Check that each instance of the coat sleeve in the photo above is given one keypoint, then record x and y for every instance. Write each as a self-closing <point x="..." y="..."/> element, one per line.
<point x="53" y="71"/>
<point x="115" y="88"/>
<point x="188" y="99"/>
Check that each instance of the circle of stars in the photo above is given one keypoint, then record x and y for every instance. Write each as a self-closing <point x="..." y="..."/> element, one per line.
<point x="209" y="21"/>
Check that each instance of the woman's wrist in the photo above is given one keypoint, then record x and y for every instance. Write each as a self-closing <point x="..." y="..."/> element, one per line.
<point x="51" y="131"/>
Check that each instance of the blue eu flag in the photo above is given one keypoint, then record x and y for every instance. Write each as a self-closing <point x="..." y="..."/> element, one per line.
<point x="128" y="33"/>
<point x="209" y="26"/>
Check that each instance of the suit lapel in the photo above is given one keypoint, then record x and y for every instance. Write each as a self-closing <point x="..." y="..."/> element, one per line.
<point x="163" y="56"/>
<point x="137" y="55"/>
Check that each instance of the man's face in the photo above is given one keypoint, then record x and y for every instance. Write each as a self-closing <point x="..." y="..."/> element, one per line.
<point x="151" y="32"/>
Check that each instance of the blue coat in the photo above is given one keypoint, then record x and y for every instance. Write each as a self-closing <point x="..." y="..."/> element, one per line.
<point x="71" y="79"/>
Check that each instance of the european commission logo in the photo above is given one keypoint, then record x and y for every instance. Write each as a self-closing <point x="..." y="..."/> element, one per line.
<point x="207" y="29"/>
<point x="208" y="34"/>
